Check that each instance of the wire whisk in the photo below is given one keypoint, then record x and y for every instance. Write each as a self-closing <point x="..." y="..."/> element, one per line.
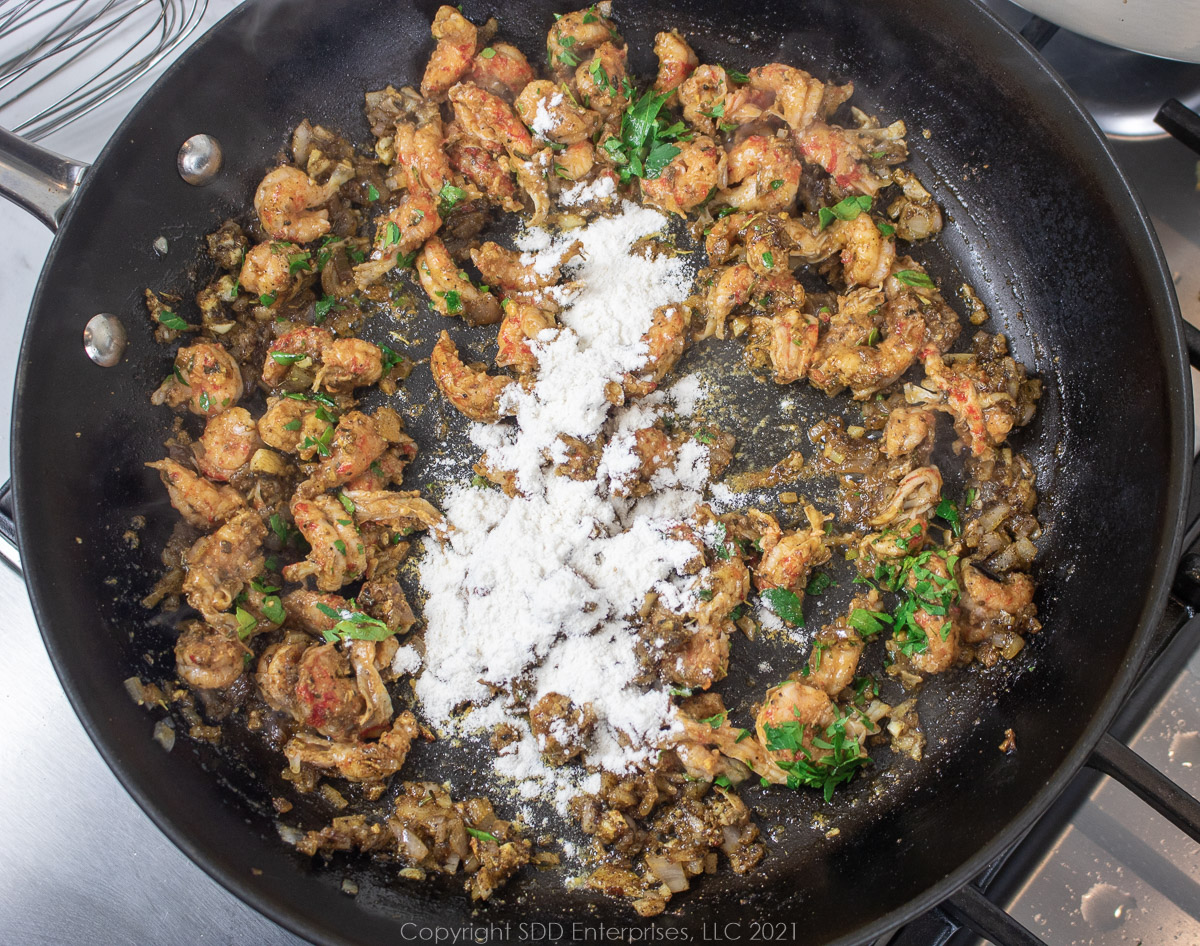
<point x="78" y="54"/>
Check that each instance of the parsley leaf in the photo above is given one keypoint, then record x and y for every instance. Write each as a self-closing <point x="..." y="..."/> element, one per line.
<point x="600" y="76"/>
<point x="659" y="157"/>
<point x="481" y="835"/>
<point x="272" y="610"/>
<point x="168" y="319"/>
<point x="279" y="527"/>
<point x="786" y="604"/>
<point x="786" y="737"/>
<point x="316" y="396"/>
<point x="867" y="623"/>
<point x="818" y="584"/>
<point x="449" y="197"/>
<point x="922" y="589"/>
<point x="246" y="623"/>
<point x="321" y="443"/>
<point x="841" y="759"/>
<point x="299" y="261"/>
<point x="644" y="146"/>
<point x="913" y="277"/>
<point x="323" y="307"/>
<point x="391" y="358"/>
<point x="948" y="511"/>
<point x="353" y="625"/>
<point x="453" y="302"/>
<point x="847" y="209"/>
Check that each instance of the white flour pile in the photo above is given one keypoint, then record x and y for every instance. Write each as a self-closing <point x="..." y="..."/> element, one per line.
<point x="535" y="589"/>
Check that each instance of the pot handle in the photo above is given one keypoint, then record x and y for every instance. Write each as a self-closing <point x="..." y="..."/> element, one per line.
<point x="39" y="180"/>
<point x="1181" y="122"/>
<point x="43" y="183"/>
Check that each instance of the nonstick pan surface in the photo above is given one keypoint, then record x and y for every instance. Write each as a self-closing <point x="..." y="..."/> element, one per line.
<point x="1040" y="222"/>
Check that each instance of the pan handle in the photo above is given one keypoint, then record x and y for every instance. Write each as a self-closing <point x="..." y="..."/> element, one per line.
<point x="43" y="183"/>
<point x="39" y="180"/>
<point x="10" y="552"/>
<point x="1180" y="121"/>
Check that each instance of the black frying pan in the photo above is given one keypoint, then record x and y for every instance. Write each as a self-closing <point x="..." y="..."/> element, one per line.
<point x="1041" y="222"/>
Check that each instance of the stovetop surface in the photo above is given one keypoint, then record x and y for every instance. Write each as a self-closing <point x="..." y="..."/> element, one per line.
<point x="80" y="862"/>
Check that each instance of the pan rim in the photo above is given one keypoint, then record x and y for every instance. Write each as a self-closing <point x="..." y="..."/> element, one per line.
<point x="1150" y="261"/>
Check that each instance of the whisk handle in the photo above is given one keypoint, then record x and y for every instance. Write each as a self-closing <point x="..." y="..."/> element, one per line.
<point x="39" y="180"/>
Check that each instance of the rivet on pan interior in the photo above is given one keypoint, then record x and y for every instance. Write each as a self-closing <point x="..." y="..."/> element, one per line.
<point x="104" y="339"/>
<point x="199" y="159"/>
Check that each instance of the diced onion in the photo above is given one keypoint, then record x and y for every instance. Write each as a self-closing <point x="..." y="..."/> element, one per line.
<point x="733" y="839"/>
<point x="1009" y="644"/>
<point x="994" y="516"/>
<point x="668" y="872"/>
<point x="268" y="461"/>
<point x="164" y="734"/>
<point x="413" y="846"/>
<point x="302" y="142"/>
<point x="133" y="686"/>
<point x="1019" y="555"/>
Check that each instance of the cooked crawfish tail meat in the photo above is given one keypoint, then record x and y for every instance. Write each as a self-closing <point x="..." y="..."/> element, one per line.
<point x="464" y="437"/>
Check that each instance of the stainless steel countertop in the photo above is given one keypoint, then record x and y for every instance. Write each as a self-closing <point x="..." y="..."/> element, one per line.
<point x="79" y="861"/>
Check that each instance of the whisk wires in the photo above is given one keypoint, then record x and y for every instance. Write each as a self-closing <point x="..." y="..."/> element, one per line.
<point x="97" y="47"/>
